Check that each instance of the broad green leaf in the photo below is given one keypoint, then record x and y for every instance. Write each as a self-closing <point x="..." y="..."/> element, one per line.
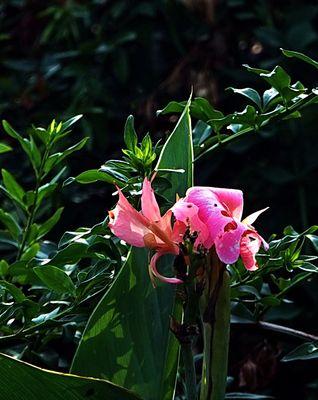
<point x="200" y="108"/>
<point x="178" y="154"/>
<point x="30" y="252"/>
<point x="314" y="241"/>
<point x="130" y="136"/>
<point x="307" y="266"/>
<point x="46" y="226"/>
<point x="306" y="351"/>
<point x="268" y="96"/>
<point x="172" y="107"/>
<point x="10" y="223"/>
<point x="257" y="71"/>
<point x="20" y="380"/>
<point x="46" y="317"/>
<point x="10" y="131"/>
<point x="201" y="132"/>
<point x="12" y="186"/>
<point x="45" y="190"/>
<point x="251" y="94"/>
<point x="127" y="338"/>
<point x="15" y="292"/>
<point x="4" y="268"/>
<point x="301" y="56"/>
<point x="4" y="148"/>
<point x="95" y="175"/>
<point x="245" y="117"/>
<point x="55" y="279"/>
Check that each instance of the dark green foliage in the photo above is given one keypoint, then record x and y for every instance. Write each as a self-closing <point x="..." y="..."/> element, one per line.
<point x="109" y="59"/>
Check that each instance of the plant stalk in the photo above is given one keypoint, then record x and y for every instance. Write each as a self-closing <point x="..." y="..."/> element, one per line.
<point x="191" y="313"/>
<point x="34" y="205"/>
<point x="215" y="312"/>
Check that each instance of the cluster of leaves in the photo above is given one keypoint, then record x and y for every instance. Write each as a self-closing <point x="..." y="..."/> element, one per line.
<point x="49" y="289"/>
<point x="283" y="100"/>
<point x="44" y="283"/>
<point x="281" y="268"/>
<point x="136" y="164"/>
<point x="48" y="296"/>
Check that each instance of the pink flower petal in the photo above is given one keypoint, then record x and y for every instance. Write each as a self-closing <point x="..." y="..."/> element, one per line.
<point x="250" y="245"/>
<point x="232" y="199"/>
<point x="127" y="223"/>
<point x="154" y="272"/>
<point x="227" y="244"/>
<point x="188" y="214"/>
<point x="209" y="198"/>
<point x="179" y="229"/>
<point x="149" y="205"/>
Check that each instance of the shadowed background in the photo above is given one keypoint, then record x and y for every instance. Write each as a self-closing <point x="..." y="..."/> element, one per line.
<point x="108" y="59"/>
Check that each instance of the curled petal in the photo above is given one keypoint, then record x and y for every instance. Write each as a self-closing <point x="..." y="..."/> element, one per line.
<point x="149" y="205"/>
<point x="179" y="229"/>
<point x="127" y="223"/>
<point x="187" y="213"/>
<point x="153" y="272"/>
<point x="227" y="244"/>
<point x="250" y="245"/>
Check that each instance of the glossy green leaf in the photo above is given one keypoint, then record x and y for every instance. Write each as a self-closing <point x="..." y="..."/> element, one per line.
<point x="4" y="148"/>
<point x="12" y="186"/>
<point x="46" y="226"/>
<point x="20" y="381"/>
<point x="94" y="175"/>
<point x="306" y="351"/>
<point x="15" y="292"/>
<point x="301" y="56"/>
<point x="70" y="122"/>
<point x="10" y="223"/>
<point x="55" y="279"/>
<point x="200" y="108"/>
<point x="130" y="136"/>
<point x="249" y="93"/>
<point x="127" y="339"/>
<point x="178" y="154"/>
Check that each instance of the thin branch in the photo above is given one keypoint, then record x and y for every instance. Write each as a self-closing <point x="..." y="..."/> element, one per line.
<point x="281" y="329"/>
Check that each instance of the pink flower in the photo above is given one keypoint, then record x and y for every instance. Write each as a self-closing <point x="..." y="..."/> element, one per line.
<point x="148" y="228"/>
<point x="221" y="210"/>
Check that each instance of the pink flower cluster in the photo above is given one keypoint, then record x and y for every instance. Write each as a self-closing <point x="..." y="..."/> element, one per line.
<point x="213" y="214"/>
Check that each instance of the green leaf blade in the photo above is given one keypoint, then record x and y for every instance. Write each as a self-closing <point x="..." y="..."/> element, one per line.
<point x="127" y="338"/>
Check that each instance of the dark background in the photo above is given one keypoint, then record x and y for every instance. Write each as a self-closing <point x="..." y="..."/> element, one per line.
<point x="108" y="59"/>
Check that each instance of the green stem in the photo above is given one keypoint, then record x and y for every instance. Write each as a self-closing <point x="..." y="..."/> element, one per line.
<point x="296" y="106"/>
<point x="189" y="370"/>
<point x="215" y="311"/>
<point x="34" y="205"/>
<point x="191" y="312"/>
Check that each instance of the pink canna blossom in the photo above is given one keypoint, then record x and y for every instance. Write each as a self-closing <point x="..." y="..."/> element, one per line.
<point x="147" y="228"/>
<point x="221" y="210"/>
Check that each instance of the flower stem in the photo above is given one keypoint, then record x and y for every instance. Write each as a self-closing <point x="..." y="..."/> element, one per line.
<point x="191" y="314"/>
<point x="189" y="370"/>
<point x="215" y="311"/>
